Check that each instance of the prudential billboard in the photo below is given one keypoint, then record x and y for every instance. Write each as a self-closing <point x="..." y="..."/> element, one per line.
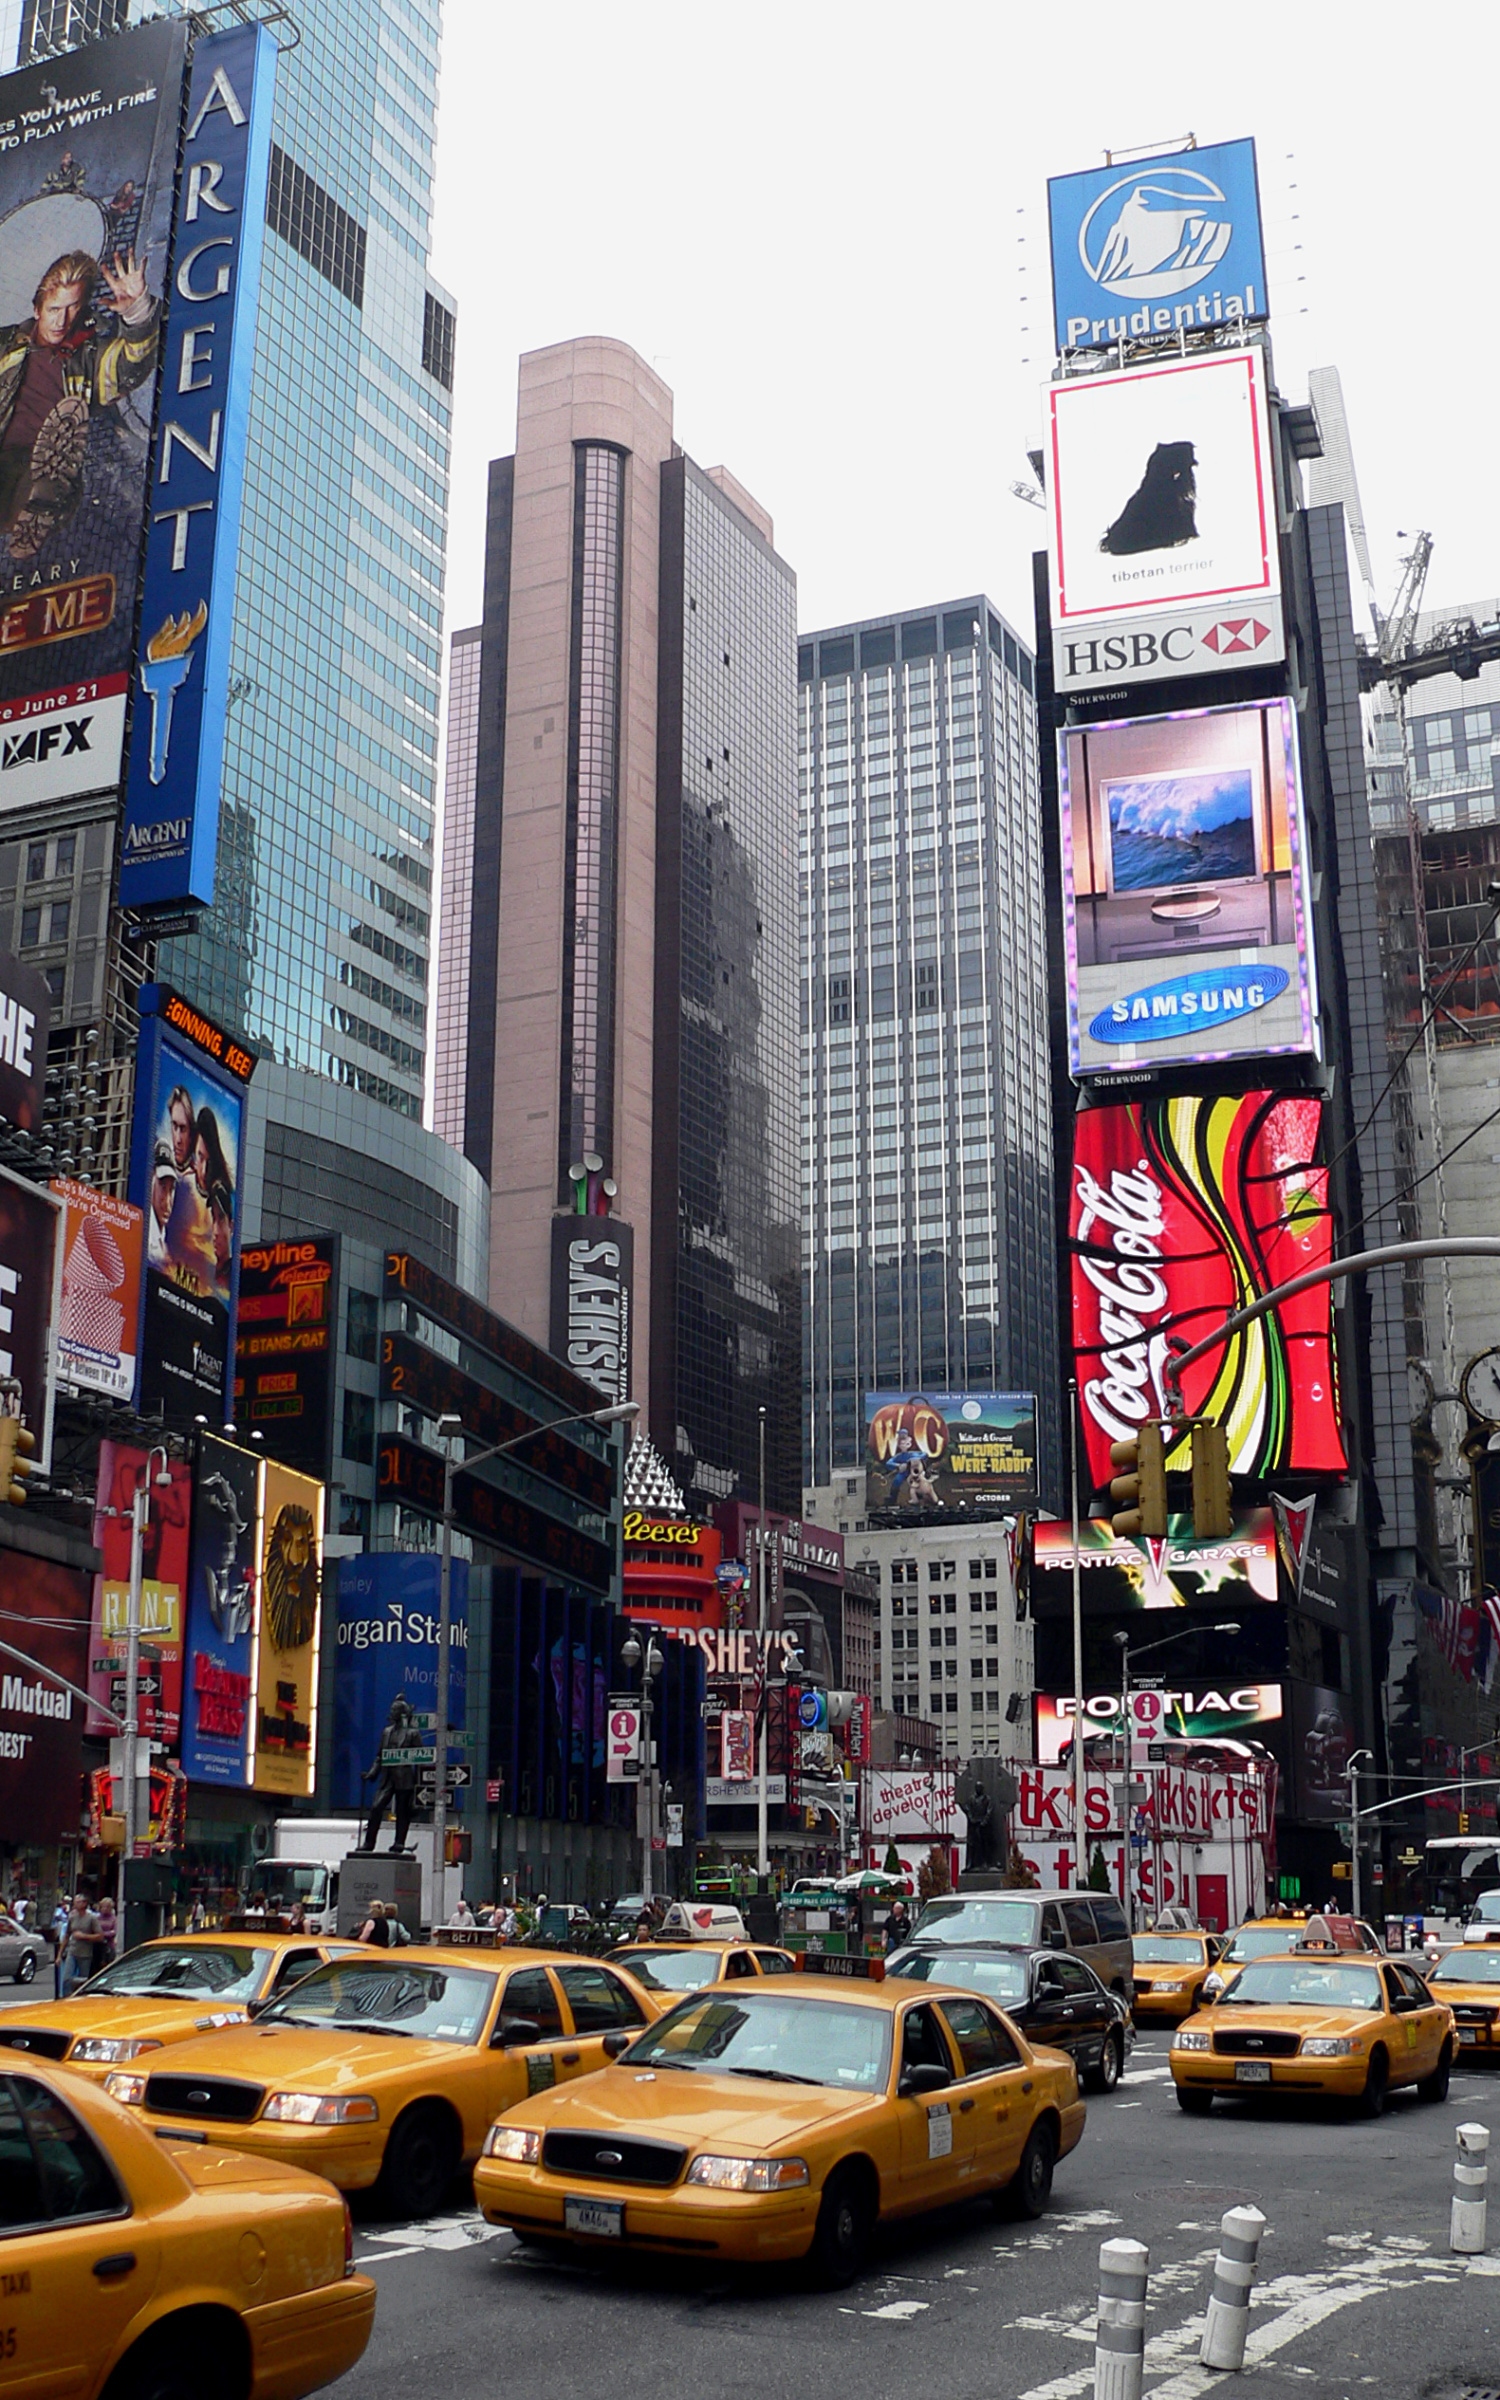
<point x="1160" y="247"/>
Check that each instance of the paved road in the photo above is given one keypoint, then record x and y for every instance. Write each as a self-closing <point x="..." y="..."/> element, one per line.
<point x="25" y="1995"/>
<point x="1358" y="2292"/>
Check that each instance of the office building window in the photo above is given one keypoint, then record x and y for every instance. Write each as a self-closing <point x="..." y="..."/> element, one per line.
<point x="317" y="228"/>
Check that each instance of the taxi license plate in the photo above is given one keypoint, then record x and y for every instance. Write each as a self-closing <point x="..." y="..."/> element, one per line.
<point x="1468" y="2033"/>
<point x="603" y="2218"/>
<point x="1252" y="2070"/>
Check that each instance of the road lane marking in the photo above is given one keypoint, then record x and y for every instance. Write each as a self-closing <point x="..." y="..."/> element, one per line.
<point x="898" y="2311"/>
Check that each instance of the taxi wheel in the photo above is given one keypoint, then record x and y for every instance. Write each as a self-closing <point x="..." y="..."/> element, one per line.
<point x="1030" y="2188"/>
<point x="845" y="2227"/>
<point x="1193" y="2102"/>
<point x="199" y="2354"/>
<point x="421" y="2161"/>
<point x="1111" y="2066"/>
<point x="1371" y="2101"/>
<point x="26" y="1966"/>
<point x="1435" y="2085"/>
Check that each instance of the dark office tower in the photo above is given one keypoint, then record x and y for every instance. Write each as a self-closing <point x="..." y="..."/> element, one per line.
<point x="928" y="1256"/>
<point x="631" y="974"/>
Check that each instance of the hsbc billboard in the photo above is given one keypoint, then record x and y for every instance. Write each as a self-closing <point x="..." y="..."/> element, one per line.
<point x="1164" y="544"/>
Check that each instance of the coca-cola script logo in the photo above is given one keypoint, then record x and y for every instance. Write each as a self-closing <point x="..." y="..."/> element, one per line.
<point x="1133" y="1295"/>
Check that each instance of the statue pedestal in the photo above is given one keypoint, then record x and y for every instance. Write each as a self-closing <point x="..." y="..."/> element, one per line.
<point x="392" y="1876"/>
<point x="983" y="1879"/>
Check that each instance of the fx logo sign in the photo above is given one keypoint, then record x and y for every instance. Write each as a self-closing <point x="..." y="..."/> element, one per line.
<point x="42" y="742"/>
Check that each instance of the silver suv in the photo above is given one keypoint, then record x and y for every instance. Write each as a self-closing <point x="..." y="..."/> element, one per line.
<point x="1090" y="1924"/>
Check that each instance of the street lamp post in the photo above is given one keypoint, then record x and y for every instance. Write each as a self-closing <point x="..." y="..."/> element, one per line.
<point x="651" y="1666"/>
<point x="763" y="1646"/>
<point x="449" y="1426"/>
<point x="1352" y="1771"/>
<point x="1127" y="1653"/>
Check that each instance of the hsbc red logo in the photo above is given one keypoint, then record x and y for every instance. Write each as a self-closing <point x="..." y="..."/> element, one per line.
<point x="1236" y="636"/>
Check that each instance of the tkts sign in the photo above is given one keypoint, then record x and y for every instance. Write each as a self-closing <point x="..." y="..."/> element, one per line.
<point x="1182" y="1211"/>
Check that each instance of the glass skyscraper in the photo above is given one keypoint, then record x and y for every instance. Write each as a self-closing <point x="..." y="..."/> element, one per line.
<point x="929" y="1257"/>
<point x="318" y="943"/>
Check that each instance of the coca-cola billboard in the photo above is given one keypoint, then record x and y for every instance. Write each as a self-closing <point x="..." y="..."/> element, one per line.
<point x="1182" y="1211"/>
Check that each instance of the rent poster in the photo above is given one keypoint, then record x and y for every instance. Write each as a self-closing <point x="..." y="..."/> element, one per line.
<point x="291" y="1601"/>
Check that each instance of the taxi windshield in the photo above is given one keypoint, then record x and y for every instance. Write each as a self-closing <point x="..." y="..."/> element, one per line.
<point x="976" y="1920"/>
<point x="674" y="1970"/>
<point x="1263" y="1942"/>
<point x="366" y="1995"/>
<point x="1168" y="1949"/>
<point x="186" y="1971"/>
<point x="779" y="2036"/>
<point x="1304" y="1983"/>
<point x="1469" y="1966"/>
<point x="1002" y="1979"/>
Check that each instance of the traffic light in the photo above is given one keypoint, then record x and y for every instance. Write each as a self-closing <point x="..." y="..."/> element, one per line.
<point x="1463" y="1820"/>
<point x="1139" y="1486"/>
<point x="1341" y="1870"/>
<point x="1213" y="1503"/>
<point x="17" y="1447"/>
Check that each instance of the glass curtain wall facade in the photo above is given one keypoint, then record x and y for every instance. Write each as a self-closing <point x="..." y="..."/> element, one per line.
<point x="451" y="1003"/>
<point x="927" y="1224"/>
<point x="318" y="943"/>
<point x="586" y="1116"/>
<point x="726" y="1337"/>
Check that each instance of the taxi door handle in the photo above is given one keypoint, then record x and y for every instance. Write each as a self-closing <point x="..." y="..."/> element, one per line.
<point x="119" y="2262"/>
<point x="570" y="2058"/>
<point x="964" y="2107"/>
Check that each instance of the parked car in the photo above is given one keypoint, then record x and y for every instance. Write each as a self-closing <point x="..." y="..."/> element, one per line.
<point x="1089" y="1924"/>
<point x="21" y="1950"/>
<point x="1058" y="2002"/>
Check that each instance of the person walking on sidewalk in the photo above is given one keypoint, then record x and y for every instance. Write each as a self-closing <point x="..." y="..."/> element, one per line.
<point x="80" y="1938"/>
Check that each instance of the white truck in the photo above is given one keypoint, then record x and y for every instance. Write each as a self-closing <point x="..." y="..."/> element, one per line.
<point x="303" y="1864"/>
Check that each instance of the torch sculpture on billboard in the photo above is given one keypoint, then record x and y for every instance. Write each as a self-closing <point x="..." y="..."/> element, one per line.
<point x="1182" y="1210"/>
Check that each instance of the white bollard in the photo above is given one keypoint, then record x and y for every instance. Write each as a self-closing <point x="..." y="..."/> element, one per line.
<point x="1120" y="2342"/>
<point x="1228" y="2320"/>
<point x="1471" y="2173"/>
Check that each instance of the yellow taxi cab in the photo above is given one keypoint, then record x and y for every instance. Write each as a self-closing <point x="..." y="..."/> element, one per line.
<point x="1170" y="1971"/>
<point x="670" y="1968"/>
<point x="162" y="2268"/>
<point x="785" y="2122"/>
<point x="1349" y="2025"/>
<point x="385" y="2067"/>
<point x="1468" y="1981"/>
<point x="165" y="1992"/>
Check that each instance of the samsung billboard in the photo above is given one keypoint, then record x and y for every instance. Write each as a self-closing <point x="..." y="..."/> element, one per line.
<point x="1185" y="904"/>
<point x="1163" y="526"/>
<point x="1166" y="246"/>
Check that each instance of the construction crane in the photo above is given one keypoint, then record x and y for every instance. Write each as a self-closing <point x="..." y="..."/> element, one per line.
<point x="1395" y="631"/>
<point x="1459" y="647"/>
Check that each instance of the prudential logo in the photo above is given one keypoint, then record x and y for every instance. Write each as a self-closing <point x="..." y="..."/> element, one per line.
<point x="1155" y="232"/>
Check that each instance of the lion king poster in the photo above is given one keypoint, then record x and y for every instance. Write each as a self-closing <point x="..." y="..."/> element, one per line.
<point x="286" y="1662"/>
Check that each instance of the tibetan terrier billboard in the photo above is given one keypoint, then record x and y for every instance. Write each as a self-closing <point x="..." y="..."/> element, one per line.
<point x="1185" y="908"/>
<point x="1162" y="506"/>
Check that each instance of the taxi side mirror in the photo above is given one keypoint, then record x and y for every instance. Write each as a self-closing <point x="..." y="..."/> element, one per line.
<point x="256" y="2008"/>
<point x="1404" y="2004"/>
<point x="916" y="2082"/>
<point x="614" y="2043"/>
<point x="515" y="2033"/>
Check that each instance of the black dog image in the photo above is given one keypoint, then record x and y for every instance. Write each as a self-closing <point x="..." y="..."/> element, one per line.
<point x="1159" y="513"/>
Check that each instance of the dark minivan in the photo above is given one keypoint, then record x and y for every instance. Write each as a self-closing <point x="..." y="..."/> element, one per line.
<point x="1090" y="1924"/>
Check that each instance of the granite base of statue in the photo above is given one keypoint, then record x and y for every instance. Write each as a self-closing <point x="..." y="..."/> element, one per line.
<point x="987" y="1792"/>
<point x="391" y="1876"/>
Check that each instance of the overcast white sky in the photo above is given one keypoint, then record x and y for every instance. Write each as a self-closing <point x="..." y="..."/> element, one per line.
<point x="807" y="215"/>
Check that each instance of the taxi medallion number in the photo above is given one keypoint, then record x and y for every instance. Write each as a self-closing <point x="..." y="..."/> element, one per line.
<point x="603" y="2218"/>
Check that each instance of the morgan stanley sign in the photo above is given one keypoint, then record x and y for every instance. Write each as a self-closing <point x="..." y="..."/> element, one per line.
<point x="192" y="539"/>
<point x="1158" y="247"/>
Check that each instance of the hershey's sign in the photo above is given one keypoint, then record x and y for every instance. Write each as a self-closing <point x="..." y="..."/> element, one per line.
<point x="593" y="1265"/>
